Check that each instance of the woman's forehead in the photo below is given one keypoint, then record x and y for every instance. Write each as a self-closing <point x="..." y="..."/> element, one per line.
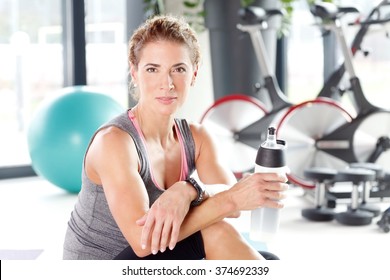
<point x="166" y="50"/>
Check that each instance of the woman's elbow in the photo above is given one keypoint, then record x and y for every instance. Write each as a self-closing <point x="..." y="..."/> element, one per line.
<point x="140" y="252"/>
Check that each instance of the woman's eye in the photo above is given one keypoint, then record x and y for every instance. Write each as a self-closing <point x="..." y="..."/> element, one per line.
<point x="151" y="70"/>
<point x="180" y="70"/>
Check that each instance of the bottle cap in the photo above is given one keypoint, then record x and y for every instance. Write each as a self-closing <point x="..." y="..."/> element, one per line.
<point x="271" y="157"/>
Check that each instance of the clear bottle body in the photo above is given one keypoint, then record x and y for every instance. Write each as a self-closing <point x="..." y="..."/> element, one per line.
<point x="270" y="159"/>
<point x="265" y="221"/>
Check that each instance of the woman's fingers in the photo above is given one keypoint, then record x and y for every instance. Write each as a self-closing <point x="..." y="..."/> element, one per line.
<point x="156" y="237"/>
<point x="270" y="203"/>
<point x="165" y="236"/>
<point x="174" y="235"/>
<point x="275" y="195"/>
<point x="146" y="230"/>
<point x="160" y="230"/>
<point x="271" y="177"/>
<point x="260" y="190"/>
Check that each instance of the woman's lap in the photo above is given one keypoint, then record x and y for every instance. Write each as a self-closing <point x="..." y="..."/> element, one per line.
<point x="191" y="248"/>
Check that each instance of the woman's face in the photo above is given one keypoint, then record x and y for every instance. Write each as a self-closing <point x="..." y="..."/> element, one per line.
<point x="164" y="75"/>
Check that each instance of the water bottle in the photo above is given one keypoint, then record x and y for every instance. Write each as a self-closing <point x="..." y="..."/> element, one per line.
<point x="269" y="159"/>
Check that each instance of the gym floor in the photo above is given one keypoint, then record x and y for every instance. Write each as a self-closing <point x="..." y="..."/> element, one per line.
<point x="34" y="215"/>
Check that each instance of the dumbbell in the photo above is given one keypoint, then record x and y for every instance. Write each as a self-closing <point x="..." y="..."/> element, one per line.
<point x="357" y="176"/>
<point x="321" y="176"/>
<point x="367" y="186"/>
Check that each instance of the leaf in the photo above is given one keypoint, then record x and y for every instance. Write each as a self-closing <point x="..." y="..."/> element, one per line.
<point x="192" y="4"/>
<point x="246" y="3"/>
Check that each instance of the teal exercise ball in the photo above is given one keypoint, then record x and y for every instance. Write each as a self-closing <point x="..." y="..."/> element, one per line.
<point x="60" y="130"/>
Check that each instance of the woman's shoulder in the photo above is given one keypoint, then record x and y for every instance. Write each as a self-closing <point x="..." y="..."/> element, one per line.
<point x="197" y="126"/>
<point x="111" y="131"/>
<point x="198" y="130"/>
<point x="111" y="137"/>
<point x="117" y="128"/>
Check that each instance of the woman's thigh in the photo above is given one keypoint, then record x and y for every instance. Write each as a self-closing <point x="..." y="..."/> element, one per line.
<point x="222" y="241"/>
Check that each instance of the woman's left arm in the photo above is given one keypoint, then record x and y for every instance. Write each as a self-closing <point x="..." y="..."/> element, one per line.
<point x="252" y="191"/>
<point x="211" y="169"/>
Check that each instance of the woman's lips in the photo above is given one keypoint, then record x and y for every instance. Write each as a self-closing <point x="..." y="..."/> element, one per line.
<point x="166" y="100"/>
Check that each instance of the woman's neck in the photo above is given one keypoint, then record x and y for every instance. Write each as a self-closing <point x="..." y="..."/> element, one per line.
<point x="155" y="127"/>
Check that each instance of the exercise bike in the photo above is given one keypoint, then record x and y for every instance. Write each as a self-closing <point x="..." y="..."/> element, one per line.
<point x="365" y="138"/>
<point x="331" y="87"/>
<point x="229" y="115"/>
<point x="329" y="112"/>
<point x="240" y="122"/>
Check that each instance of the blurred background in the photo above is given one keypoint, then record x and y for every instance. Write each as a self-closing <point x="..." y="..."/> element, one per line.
<point x="46" y="45"/>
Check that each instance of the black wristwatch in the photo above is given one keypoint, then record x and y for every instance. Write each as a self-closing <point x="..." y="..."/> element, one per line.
<point x="200" y="191"/>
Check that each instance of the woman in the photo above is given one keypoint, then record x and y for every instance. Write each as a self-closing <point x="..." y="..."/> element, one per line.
<point x="138" y="199"/>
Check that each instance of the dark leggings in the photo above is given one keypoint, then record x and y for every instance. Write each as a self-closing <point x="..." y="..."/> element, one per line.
<point x="191" y="248"/>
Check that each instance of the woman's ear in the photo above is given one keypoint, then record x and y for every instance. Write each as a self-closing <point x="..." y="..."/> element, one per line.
<point x="194" y="76"/>
<point x="133" y="75"/>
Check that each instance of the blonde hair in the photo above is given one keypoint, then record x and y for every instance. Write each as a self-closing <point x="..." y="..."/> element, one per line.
<point x="162" y="28"/>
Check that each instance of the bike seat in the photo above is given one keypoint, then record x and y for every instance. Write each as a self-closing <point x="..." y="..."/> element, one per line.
<point x="379" y="172"/>
<point x="254" y="15"/>
<point x="355" y="175"/>
<point x="326" y="10"/>
<point x="320" y="174"/>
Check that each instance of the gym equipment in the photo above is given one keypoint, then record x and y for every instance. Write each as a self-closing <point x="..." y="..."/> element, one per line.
<point x="233" y="116"/>
<point x="367" y="186"/>
<point x="359" y="139"/>
<point x="384" y="222"/>
<point x="221" y="119"/>
<point x="331" y="87"/>
<point x="60" y="131"/>
<point x="314" y="143"/>
<point x="353" y="216"/>
<point x="355" y="141"/>
<point x="322" y="177"/>
<point x="303" y="125"/>
<point x="249" y="137"/>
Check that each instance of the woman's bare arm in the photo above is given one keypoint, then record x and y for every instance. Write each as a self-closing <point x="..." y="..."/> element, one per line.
<point x="249" y="193"/>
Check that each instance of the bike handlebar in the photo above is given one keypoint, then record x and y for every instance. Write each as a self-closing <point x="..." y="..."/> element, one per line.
<point x="254" y="14"/>
<point x="369" y="22"/>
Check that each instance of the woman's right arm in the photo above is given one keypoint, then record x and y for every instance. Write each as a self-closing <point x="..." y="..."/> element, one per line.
<point x="112" y="161"/>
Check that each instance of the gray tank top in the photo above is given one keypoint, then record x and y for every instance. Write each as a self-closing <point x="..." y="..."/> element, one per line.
<point x="92" y="231"/>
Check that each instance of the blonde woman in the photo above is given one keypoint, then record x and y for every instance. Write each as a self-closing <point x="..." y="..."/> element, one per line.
<point x="138" y="199"/>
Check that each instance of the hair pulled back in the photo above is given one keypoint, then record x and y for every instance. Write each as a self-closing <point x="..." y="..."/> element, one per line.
<point x="163" y="28"/>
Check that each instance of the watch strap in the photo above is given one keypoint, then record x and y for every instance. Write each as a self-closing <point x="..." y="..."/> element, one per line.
<point x="200" y="192"/>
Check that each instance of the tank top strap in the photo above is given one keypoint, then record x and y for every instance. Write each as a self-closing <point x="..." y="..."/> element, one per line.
<point x="188" y="144"/>
<point x="123" y="122"/>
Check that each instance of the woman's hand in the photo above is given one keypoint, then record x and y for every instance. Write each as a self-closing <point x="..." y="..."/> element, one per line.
<point x="259" y="190"/>
<point x="161" y="225"/>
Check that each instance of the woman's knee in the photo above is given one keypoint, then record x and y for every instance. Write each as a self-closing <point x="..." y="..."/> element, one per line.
<point x="219" y="232"/>
<point x="222" y="241"/>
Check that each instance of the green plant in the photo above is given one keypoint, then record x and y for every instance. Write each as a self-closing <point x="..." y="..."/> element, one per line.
<point x="153" y="7"/>
<point x="287" y="5"/>
<point x="194" y="12"/>
<point x="313" y="1"/>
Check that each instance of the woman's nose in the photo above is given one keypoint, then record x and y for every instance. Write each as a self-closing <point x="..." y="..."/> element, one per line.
<point x="167" y="83"/>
